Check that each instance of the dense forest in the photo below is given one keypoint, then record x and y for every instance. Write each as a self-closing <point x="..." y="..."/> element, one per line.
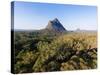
<point x="35" y="52"/>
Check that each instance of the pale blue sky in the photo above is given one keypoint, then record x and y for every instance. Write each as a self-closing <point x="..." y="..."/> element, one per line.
<point x="29" y="15"/>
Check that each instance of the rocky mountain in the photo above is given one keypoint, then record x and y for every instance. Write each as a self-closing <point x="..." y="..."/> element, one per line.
<point x="55" y="25"/>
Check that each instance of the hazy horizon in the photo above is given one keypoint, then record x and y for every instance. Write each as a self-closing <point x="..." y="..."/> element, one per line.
<point x="35" y="16"/>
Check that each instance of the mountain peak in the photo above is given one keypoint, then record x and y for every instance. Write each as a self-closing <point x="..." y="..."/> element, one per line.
<point x="55" y="20"/>
<point x="55" y="25"/>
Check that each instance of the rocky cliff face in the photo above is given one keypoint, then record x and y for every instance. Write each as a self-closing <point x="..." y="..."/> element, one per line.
<point x="55" y="25"/>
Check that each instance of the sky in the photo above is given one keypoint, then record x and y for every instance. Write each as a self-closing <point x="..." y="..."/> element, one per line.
<point x="29" y="15"/>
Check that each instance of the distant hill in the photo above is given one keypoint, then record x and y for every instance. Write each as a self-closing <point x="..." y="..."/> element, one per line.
<point x="55" y="25"/>
<point x="86" y="31"/>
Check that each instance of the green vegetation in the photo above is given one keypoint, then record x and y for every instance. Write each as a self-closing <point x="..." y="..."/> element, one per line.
<point x="35" y="52"/>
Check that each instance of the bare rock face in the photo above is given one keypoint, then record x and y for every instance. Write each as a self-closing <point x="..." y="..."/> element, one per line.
<point x="55" y="25"/>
